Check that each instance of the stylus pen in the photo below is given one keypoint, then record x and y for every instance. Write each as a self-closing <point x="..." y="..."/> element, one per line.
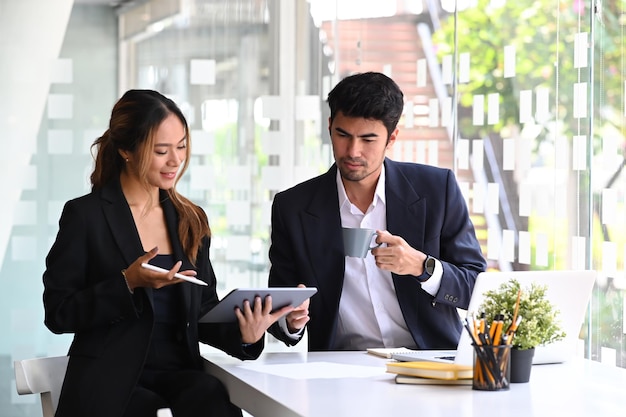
<point x="177" y="275"/>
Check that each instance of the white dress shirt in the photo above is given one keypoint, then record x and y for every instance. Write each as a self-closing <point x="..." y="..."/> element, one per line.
<point x="369" y="313"/>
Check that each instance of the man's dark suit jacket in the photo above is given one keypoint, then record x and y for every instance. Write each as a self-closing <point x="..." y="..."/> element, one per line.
<point x="424" y="206"/>
<point x="85" y="294"/>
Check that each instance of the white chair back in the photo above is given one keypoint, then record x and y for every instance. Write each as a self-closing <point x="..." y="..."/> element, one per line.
<point x="42" y="376"/>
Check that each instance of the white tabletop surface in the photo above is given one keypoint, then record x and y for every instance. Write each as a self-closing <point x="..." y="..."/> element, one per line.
<point x="356" y="384"/>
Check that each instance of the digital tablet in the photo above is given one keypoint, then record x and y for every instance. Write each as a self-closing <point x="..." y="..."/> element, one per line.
<point x="281" y="297"/>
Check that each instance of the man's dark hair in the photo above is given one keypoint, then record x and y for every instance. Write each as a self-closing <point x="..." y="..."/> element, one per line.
<point x="370" y="95"/>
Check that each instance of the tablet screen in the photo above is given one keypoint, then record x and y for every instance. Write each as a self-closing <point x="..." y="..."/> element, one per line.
<point x="281" y="297"/>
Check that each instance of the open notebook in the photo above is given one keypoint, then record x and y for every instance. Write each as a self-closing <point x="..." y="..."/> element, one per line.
<point x="568" y="291"/>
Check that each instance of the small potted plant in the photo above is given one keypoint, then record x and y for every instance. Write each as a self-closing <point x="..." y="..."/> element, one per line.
<point x="539" y="323"/>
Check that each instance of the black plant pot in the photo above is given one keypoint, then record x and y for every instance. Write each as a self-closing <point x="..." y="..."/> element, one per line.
<point x="521" y="364"/>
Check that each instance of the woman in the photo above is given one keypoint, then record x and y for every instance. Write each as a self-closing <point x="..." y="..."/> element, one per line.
<point x="136" y="331"/>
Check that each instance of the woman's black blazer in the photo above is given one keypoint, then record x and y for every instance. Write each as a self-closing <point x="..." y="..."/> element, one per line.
<point x="85" y="294"/>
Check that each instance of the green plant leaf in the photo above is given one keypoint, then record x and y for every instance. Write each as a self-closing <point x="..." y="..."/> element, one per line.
<point x="540" y="324"/>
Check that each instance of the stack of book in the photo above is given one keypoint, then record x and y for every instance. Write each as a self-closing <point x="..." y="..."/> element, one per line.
<point x="434" y="373"/>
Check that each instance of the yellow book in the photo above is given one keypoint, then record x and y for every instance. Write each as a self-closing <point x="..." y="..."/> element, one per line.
<point x="418" y="380"/>
<point x="426" y="369"/>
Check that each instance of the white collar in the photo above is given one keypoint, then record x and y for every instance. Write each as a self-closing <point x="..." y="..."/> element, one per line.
<point x="379" y="193"/>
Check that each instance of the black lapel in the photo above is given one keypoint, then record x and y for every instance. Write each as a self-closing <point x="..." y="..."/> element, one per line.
<point x="321" y="227"/>
<point x="120" y="220"/>
<point x="406" y="210"/>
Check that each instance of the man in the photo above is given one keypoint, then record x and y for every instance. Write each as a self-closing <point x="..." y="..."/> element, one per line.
<point x="404" y="293"/>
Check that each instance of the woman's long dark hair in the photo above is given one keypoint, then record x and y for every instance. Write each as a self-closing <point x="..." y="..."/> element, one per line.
<point x="134" y="120"/>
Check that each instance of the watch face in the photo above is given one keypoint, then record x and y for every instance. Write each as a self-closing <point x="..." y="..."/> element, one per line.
<point x="430" y="265"/>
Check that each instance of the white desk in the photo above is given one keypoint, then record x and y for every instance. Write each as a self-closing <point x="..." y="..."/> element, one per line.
<point x="577" y="388"/>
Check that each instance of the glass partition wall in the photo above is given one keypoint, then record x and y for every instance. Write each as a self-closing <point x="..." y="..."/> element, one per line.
<point x="523" y="100"/>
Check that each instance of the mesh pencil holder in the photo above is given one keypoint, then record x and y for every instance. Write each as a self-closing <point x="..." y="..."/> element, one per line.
<point x="492" y="367"/>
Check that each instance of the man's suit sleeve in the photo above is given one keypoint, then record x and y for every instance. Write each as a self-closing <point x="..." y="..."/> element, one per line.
<point x="460" y="251"/>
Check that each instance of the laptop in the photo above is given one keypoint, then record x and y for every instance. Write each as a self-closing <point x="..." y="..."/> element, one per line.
<point x="568" y="291"/>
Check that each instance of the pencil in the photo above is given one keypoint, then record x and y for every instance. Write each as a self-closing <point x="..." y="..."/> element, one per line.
<point x="497" y="334"/>
<point x="519" y="295"/>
